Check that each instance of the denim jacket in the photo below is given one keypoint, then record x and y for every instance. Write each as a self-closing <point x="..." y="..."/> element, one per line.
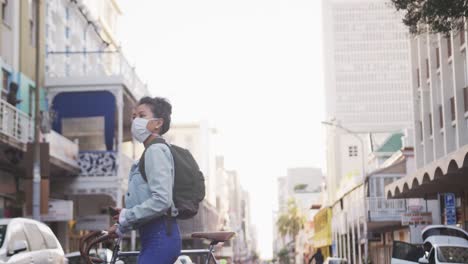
<point x="145" y="201"/>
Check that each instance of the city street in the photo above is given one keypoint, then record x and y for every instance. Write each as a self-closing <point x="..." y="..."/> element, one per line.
<point x="252" y="131"/>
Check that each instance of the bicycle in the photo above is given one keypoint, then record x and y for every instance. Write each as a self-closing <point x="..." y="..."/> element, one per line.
<point x="93" y="239"/>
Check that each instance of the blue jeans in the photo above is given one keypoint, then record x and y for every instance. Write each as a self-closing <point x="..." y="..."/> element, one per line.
<point x="156" y="245"/>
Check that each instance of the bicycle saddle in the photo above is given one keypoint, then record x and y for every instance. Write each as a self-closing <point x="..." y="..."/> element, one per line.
<point x="217" y="237"/>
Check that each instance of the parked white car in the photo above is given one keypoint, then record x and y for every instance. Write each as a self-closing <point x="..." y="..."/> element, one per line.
<point x="28" y="241"/>
<point x="336" y="261"/>
<point x="442" y="245"/>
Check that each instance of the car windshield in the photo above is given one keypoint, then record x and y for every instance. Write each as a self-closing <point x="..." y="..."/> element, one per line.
<point x="452" y="254"/>
<point x="2" y="234"/>
<point x="442" y="231"/>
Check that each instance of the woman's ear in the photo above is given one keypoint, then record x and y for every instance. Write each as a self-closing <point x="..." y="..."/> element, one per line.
<point x="155" y="125"/>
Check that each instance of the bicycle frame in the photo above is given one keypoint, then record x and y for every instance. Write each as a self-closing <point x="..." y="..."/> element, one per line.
<point x="117" y="254"/>
<point x="88" y="241"/>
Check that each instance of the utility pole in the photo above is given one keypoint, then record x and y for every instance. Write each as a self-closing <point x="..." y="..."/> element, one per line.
<point x="36" y="203"/>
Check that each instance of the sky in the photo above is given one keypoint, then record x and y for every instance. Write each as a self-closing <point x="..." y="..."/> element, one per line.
<point x="252" y="68"/>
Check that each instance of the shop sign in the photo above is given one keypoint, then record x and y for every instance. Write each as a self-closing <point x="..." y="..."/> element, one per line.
<point x="322" y="225"/>
<point x="59" y="211"/>
<point x="450" y="209"/>
<point x="93" y="222"/>
<point x="416" y="218"/>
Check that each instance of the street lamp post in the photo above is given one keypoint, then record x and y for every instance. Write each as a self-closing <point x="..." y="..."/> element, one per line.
<point x="363" y="176"/>
<point x="36" y="203"/>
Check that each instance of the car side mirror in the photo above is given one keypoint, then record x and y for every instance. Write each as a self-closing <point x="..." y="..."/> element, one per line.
<point x="423" y="260"/>
<point x="18" y="246"/>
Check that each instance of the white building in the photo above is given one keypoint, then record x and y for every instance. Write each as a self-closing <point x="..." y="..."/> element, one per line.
<point x="91" y="88"/>
<point x="367" y="84"/>
<point x="439" y="78"/>
<point x="304" y="185"/>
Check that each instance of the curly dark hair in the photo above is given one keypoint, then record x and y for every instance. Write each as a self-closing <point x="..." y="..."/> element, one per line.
<point x="161" y="108"/>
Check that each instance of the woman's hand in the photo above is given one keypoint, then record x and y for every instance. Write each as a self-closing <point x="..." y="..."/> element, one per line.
<point x="112" y="231"/>
<point x="116" y="216"/>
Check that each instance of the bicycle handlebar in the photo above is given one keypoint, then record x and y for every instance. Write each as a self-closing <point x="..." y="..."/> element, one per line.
<point x="90" y="240"/>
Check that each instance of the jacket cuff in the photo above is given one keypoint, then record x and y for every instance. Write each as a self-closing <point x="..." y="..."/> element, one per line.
<point x="120" y="231"/>
<point x="122" y="218"/>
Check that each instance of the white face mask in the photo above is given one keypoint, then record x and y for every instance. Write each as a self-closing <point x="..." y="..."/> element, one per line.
<point x="139" y="129"/>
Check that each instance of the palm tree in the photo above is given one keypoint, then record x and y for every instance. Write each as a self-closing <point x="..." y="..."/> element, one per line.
<point x="292" y="221"/>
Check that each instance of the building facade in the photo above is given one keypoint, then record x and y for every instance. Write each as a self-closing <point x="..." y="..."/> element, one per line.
<point x="439" y="79"/>
<point x="91" y="89"/>
<point x="244" y="244"/>
<point x="304" y="186"/>
<point x="59" y="155"/>
<point x="367" y="84"/>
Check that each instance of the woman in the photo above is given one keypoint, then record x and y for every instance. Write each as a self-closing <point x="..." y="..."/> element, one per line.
<point x="149" y="205"/>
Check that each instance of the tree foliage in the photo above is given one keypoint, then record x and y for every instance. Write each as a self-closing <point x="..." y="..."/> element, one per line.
<point x="283" y="256"/>
<point x="440" y="16"/>
<point x="292" y="221"/>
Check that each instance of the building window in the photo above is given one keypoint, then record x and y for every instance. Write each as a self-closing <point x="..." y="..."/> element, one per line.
<point x="67" y="13"/>
<point x="4" y="7"/>
<point x="6" y="12"/>
<point x="67" y="32"/>
<point x="449" y="46"/>
<point x="437" y="58"/>
<point x="462" y="33"/>
<point x="30" y="100"/>
<point x="465" y="67"/>
<point x="421" y="134"/>
<point x="441" y="117"/>
<point x="352" y="151"/>
<point x="465" y="95"/>
<point x="430" y="124"/>
<point x="418" y="77"/>
<point x="32" y="22"/>
<point x="5" y="82"/>
<point x="427" y="68"/>
<point x="452" y="108"/>
<point x="5" y="79"/>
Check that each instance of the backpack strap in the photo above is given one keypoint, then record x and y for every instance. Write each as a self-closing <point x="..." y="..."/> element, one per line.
<point x="141" y="163"/>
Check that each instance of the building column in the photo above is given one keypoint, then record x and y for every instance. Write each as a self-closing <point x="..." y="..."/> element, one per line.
<point x="359" y="240"/>
<point x="337" y="243"/>
<point x="62" y="236"/>
<point x="348" y="237"/>
<point x="366" y="243"/>
<point x="120" y="106"/>
<point x="133" y="240"/>
<point x="353" y="240"/>
<point x="340" y="252"/>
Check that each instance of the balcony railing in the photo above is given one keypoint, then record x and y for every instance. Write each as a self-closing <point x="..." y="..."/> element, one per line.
<point x="103" y="164"/>
<point x="15" y="124"/>
<point x="95" y="64"/>
<point x="381" y="209"/>
<point x="62" y="148"/>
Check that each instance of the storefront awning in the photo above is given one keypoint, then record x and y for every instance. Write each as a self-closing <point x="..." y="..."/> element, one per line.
<point x="448" y="174"/>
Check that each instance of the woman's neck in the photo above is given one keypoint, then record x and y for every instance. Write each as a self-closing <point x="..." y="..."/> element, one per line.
<point x="150" y="138"/>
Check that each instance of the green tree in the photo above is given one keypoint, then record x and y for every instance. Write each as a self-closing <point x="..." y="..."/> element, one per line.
<point x="292" y="221"/>
<point x="283" y="256"/>
<point x="441" y="16"/>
